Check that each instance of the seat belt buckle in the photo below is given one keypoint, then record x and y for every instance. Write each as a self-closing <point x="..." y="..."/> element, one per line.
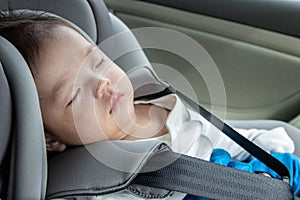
<point x="286" y="179"/>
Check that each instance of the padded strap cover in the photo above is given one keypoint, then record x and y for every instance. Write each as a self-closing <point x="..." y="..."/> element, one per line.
<point x="98" y="168"/>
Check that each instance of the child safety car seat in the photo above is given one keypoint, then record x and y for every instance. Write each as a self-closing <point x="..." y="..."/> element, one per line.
<point x="23" y="153"/>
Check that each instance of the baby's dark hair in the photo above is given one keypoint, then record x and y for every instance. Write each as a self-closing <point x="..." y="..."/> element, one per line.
<point x="28" y="32"/>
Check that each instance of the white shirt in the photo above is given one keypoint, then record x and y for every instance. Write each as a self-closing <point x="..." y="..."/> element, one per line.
<point x="191" y="134"/>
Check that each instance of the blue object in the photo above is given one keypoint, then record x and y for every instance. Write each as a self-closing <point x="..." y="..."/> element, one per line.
<point x="291" y="162"/>
<point x="191" y="197"/>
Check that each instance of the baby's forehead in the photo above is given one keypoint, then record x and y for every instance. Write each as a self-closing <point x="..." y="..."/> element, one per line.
<point x="61" y="57"/>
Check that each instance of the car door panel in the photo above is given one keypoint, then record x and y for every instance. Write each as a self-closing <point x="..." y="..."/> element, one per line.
<point x="260" y="68"/>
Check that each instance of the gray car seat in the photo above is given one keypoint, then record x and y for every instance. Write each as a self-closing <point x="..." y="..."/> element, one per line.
<point x="27" y="171"/>
<point x="5" y="124"/>
<point x="23" y="162"/>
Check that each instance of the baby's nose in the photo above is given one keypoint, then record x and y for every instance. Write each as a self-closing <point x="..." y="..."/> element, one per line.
<point x="102" y="87"/>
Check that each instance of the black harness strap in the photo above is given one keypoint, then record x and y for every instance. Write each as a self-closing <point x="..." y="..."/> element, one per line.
<point x="202" y="178"/>
<point x="155" y="166"/>
<point x="253" y="149"/>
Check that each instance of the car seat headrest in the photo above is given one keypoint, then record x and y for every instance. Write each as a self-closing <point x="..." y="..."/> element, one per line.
<point x="6" y="113"/>
<point x="28" y="170"/>
<point x="29" y="13"/>
<point x="96" y="24"/>
<point x="5" y="128"/>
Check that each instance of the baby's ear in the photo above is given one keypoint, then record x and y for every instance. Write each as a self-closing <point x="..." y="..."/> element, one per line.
<point x="54" y="145"/>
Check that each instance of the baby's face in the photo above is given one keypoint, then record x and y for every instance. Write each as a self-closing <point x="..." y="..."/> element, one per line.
<point x="84" y="96"/>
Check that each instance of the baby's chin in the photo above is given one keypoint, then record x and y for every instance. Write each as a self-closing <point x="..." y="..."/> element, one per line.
<point x="125" y="121"/>
<point x="125" y="113"/>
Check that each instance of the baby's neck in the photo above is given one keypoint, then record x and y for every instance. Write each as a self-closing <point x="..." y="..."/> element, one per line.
<point x="150" y="122"/>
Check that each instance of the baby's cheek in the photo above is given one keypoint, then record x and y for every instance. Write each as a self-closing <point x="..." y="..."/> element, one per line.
<point x="85" y="121"/>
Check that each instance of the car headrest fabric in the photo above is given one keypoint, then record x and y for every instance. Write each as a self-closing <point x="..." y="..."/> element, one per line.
<point x="5" y="129"/>
<point x="6" y="112"/>
<point x="28" y="172"/>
